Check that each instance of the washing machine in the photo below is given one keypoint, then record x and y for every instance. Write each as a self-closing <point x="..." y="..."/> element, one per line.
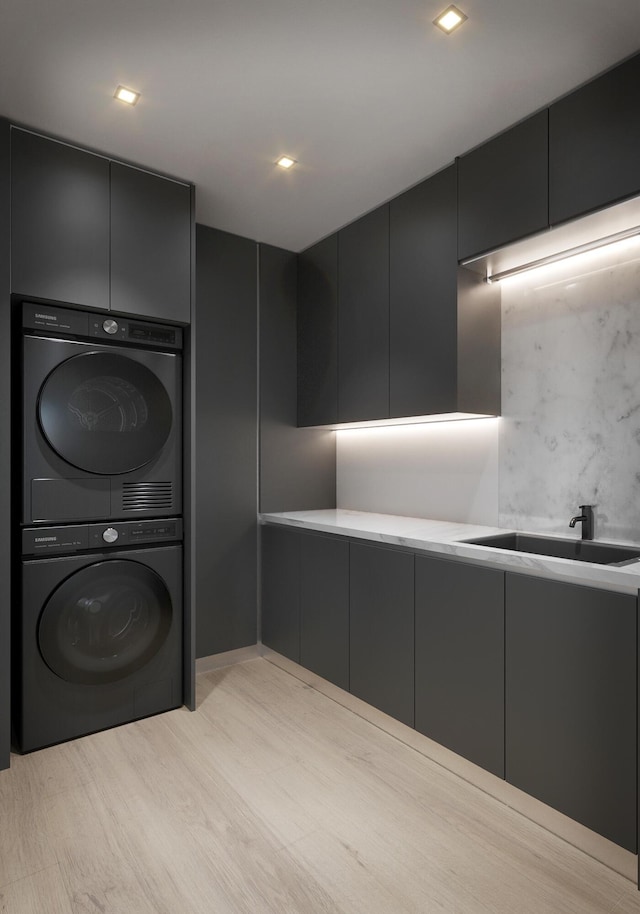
<point x="100" y="630"/>
<point x="102" y="417"/>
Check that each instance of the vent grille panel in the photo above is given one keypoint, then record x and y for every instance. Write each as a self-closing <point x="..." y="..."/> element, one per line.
<point x="147" y="496"/>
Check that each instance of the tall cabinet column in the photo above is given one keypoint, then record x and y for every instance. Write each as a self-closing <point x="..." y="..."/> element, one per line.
<point x="5" y="453"/>
<point x="226" y="441"/>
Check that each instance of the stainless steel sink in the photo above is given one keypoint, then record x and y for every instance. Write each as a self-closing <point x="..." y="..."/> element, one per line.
<point x="578" y="550"/>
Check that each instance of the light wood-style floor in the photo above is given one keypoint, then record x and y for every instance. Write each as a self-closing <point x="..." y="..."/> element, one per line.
<point x="272" y="797"/>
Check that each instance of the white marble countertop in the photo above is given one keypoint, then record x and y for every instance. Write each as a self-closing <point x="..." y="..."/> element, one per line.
<point x="443" y="538"/>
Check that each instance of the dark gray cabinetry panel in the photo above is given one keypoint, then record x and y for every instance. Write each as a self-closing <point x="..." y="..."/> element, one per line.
<point x="297" y="465"/>
<point x="594" y="144"/>
<point x="460" y="659"/>
<point x="318" y="334"/>
<point x="363" y="318"/>
<point x="503" y="188"/>
<point x="225" y="343"/>
<point x="381" y="629"/>
<point x="423" y="298"/>
<point x="281" y="591"/>
<point x="59" y="222"/>
<point x="324" y="607"/>
<point x="570" y="686"/>
<point x="150" y="244"/>
<point x="5" y="451"/>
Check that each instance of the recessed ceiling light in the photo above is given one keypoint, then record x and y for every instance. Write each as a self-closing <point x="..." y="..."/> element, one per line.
<point x="285" y="162"/>
<point x="126" y="95"/>
<point x="450" y="19"/>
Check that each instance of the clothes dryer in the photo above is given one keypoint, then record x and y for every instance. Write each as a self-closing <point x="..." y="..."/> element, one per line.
<point x="102" y="417"/>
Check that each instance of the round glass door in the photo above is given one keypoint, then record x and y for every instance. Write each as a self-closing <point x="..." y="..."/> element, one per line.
<point x="104" y="413"/>
<point x="104" y="622"/>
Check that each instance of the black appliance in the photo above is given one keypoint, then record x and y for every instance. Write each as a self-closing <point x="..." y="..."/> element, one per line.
<point x="99" y="634"/>
<point x="102" y="426"/>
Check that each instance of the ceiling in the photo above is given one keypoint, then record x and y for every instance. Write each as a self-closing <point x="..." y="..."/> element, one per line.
<point x="367" y="95"/>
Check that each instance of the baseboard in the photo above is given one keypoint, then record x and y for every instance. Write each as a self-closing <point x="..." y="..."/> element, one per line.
<point x="228" y="658"/>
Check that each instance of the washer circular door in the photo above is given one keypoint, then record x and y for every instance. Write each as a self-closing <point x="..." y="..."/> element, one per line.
<point x="104" y="622"/>
<point x="104" y="413"/>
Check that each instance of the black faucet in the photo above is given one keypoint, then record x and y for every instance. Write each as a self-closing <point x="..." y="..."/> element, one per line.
<point x="586" y="519"/>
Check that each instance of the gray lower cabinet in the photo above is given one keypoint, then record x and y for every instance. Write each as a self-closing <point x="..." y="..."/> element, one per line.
<point x="305" y="600"/>
<point x="324" y="607"/>
<point x="459" y="656"/>
<point x="281" y="591"/>
<point x="381" y="649"/>
<point x="571" y="705"/>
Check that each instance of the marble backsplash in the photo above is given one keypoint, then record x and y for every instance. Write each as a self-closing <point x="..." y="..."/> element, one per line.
<point x="570" y="427"/>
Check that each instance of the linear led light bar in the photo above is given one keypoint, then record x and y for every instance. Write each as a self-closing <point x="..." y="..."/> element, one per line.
<point x="405" y="420"/>
<point x="564" y="255"/>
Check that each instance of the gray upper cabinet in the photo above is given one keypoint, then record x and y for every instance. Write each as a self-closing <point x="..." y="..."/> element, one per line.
<point x="363" y="318"/>
<point x="59" y="222"/>
<point x="594" y="144"/>
<point x="97" y="233"/>
<point x="318" y="333"/>
<point x="423" y="298"/>
<point x="503" y="188"/>
<point x="150" y="244"/>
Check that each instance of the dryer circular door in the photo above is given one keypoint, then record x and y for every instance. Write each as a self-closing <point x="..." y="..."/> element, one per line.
<point x="104" y="622"/>
<point x="104" y="413"/>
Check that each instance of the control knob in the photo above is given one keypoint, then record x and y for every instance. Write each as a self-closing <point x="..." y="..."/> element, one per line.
<point x="110" y="535"/>
<point x="110" y="326"/>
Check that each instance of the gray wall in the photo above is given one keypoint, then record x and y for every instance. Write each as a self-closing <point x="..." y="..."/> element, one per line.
<point x="297" y="465"/>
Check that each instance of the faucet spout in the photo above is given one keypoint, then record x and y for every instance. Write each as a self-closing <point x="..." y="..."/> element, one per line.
<point x="586" y="519"/>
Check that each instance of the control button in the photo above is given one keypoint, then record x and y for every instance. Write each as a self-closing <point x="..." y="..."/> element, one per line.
<point x="110" y="535"/>
<point x="110" y="326"/>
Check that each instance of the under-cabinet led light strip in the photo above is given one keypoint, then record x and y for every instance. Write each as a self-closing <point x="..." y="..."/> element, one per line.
<point x="562" y="255"/>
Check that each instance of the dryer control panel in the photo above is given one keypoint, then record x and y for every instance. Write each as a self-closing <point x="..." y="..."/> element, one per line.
<point x="109" y="328"/>
<point x="71" y="538"/>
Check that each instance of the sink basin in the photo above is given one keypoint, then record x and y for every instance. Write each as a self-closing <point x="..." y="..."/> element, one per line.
<point x="578" y="550"/>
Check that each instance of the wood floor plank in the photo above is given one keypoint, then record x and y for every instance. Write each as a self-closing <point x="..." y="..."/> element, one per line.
<point x="43" y="891"/>
<point x="272" y="798"/>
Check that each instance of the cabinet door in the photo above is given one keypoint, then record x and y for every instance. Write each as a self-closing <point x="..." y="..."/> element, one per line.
<point x="423" y="298"/>
<point x="363" y="318"/>
<point x="594" y="144"/>
<point x="150" y="245"/>
<point x="460" y="659"/>
<point x="503" y="188"/>
<point x="281" y="591"/>
<point x="381" y="629"/>
<point x="318" y="334"/>
<point x="59" y="221"/>
<point x="225" y="349"/>
<point x="571" y="716"/>
<point x="324" y="607"/>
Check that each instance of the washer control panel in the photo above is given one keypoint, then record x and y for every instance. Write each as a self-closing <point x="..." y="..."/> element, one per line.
<point x="71" y="538"/>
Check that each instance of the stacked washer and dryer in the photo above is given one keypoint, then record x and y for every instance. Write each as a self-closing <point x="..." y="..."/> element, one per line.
<point x="99" y="631"/>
